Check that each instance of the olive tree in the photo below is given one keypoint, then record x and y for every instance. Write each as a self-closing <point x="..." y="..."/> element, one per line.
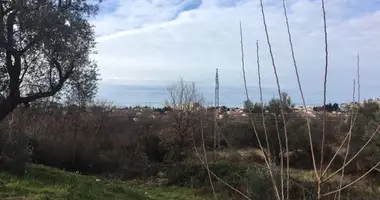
<point x="44" y="48"/>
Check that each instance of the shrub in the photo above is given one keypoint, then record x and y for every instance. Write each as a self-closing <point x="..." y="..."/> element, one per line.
<point x="259" y="184"/>
<point x="239" y="134"/>
<point x="154" y="149"/>
<point x="90" y="140"/>
<point x="253" y="180"/>
<point x="15" y="151"/>
<point x="176" y="146"/>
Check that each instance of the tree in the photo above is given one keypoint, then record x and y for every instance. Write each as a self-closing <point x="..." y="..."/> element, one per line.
<point x="336" y="107"/>
<point x="274" y="105"/>
<point x="329" y="107"/>
<point x="249" y="107"/>
<point x="44" y="48"/>
<point x="83" y="87"/>
<point x="186" y="104"/>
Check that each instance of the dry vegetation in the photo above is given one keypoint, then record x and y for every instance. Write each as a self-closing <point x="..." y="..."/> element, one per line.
<point x="273" y="153"/>
<point x="169" y="149"/>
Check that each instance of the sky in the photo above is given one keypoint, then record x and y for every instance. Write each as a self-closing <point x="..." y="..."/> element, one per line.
<point x="145" y="45"/>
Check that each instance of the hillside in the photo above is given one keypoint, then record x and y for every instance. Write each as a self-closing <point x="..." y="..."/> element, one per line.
<point x="47" y="183"/>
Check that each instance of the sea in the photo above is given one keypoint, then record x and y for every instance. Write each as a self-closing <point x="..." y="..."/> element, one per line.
<point x="230" y="96"/>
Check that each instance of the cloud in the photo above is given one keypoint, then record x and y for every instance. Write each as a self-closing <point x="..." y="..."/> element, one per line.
<point x="155" y="42"/>
<point x="134" y="14"/>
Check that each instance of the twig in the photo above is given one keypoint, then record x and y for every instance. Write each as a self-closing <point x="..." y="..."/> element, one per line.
<point x="347" y="149"/>
<point x="281" y="152"/>
<point x="348" y="162"/>
<point x="353" y="90"/>
<point x="341" y="145"/>
<point x="300" y="88"/>
<point x="280" y="173"/>
<point x="358" y="74"/>
<point x="352" y="122"/>
<point x="206" y="160"/>
<point x="266" y="158"/>
<point x="324" y="86"/>
<point x="261" y="96"/>
<point x="279" y="93"/>
<point x="263" y="116"/>
<point x="353" y="182"/>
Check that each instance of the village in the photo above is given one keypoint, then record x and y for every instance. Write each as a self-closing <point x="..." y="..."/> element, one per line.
<point x="235" y="112"/>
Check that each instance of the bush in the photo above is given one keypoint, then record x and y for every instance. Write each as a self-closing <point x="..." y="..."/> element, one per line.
<point x="299" y="140"/>
<point x="259" y="184"/>
<point x="14" y="155"/>
<point x="90" y="140"/>
<point x="253" y="180"/>
<point x="176" y="146"/>
<point x="239" y="134"/>
<point x="15" y="151"/>
<point x="154" y="149"/>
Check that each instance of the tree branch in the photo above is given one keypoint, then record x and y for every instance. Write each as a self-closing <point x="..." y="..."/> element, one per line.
<point x="34" y="41"/>
<point x="9" y="26"/>
<point x="53" y="90"/>
<point x="27" y="67"/>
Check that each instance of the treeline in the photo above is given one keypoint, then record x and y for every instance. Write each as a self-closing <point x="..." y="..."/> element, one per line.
<point x="329" y="108"/>
<point x="274" y="106"/>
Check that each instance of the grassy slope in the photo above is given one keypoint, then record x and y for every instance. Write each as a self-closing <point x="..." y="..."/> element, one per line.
<point x="46" y="183"/>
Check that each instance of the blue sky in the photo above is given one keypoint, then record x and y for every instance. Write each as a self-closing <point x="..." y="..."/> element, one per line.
<point x="152" y="43"/>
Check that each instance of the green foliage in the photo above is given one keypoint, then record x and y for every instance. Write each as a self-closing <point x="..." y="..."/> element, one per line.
<point x="371" y="154"/>
<point x="299" y="139"/>
<point x="15" y="151"/>
<point x="259" y="184"/>
<point x="154" y="150"/>
<point x="365" y="113"/>
<point x="329" y="107"/>
<point x="249" y="107"/>
<point x="369" y="109"/>
<point x="253" y="181"/>
<point x="82" y="86"/>
<point x="43" y="183"/>
<point x="196" y="176"/>
<point x="367" y="120"/>
<point x="49" y="52"/>
<point x="239" y="134"/>
<point x="274" y="105"/>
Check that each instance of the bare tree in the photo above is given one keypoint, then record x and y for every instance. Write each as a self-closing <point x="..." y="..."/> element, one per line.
<point x="186" y="103"/>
